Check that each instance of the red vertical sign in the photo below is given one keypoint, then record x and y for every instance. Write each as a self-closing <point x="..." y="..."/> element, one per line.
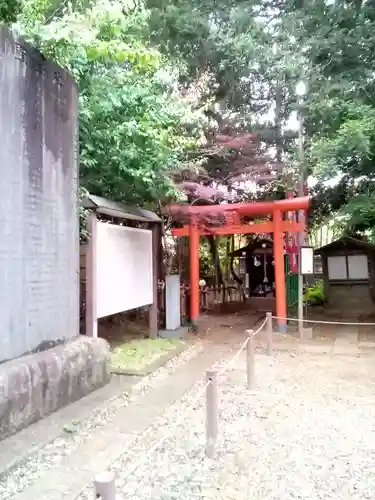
<point x="292" y="242"/>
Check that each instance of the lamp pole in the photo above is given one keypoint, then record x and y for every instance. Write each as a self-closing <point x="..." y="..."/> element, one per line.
<point x="300" y="90"/>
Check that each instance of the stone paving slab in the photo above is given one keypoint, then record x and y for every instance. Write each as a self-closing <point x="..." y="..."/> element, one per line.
<point x="316" y="349"/>
<point x="67" y="479"/>
<point x="366" y="344"/>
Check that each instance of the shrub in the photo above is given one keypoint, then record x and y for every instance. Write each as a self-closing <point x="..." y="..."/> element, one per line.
<point x="315" y="294"/>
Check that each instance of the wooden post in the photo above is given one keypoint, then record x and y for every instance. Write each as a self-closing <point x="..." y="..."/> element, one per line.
<point x="194" y="273"/>
<point x="91" y="277"/>
<point x="269" y="333"/>
<point x="212" y="413"/>
<point x="104" y="486"/>
<point x="153" y="312"/>
<point x="250" y="358"/>
<point x="278" y="247"/>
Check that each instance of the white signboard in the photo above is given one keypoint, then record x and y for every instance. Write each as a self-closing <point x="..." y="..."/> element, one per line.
<point x="307" y="260"/>
<point x="124" y="269"/>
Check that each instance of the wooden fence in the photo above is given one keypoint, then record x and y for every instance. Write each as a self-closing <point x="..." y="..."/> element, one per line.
<point x="210" y="298"/>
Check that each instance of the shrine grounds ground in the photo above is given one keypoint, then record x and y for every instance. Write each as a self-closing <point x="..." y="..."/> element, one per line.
<point x="305" y="431"/>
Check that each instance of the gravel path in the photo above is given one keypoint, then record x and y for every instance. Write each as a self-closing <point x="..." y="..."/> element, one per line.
<point x="75" y="435"/>
<point x="307" y="431"/>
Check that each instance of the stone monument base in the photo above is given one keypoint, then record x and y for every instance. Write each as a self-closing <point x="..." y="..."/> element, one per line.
<point x="177" y="333"/>
<point x="33" y="386"/>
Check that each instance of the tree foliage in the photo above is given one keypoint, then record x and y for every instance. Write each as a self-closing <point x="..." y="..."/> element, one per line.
<point x="232" y="64"/>
<point x="151" y="77"/>
<point x="9" y="10"/>
<point x="167" y="86"/>
<point x="135" y="127"/>
<point x="338" y="41"/>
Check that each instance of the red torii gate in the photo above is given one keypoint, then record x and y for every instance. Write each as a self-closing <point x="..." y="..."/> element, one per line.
<point x="232" y="214"/>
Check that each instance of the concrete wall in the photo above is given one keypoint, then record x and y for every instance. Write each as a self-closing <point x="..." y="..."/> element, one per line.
<point x="39" y="244"/>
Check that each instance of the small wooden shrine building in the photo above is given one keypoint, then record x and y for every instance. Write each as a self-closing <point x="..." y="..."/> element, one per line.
<point x="349" y="275"/>
<point x="259" y="267"/>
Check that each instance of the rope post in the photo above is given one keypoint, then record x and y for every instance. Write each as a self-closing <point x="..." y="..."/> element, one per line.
<point x="104" y="486"/>
<point x="269" y="333"/>
<point x="212" y="413"/>
<point x="250" y="359"/>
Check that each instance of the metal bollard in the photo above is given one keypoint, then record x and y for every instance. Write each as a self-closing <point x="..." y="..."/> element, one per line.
<point x="250" y="359"/>
<point x="212" y="413"/>
<point x="269" y="333"/>
<point x="104" y="486"/>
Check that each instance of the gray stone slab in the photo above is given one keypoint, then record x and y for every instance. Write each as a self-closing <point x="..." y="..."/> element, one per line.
<point x="349" y="350"/>
<point x="316" y="349"/>
<point x="172" y="302"/>
<point x="178" y="333"/>
<point x="39" y="257"/>
<point x="367" y="345"/>
<point x="307" y="333"/>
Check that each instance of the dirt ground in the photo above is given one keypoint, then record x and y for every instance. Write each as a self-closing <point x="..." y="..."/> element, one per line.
<point x="231" y="329"/>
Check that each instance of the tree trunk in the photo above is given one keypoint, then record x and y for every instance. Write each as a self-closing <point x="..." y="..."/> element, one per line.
<point x="183" y="262"/>
<point x="215" y="259"/>
<point x="228" y="250"/>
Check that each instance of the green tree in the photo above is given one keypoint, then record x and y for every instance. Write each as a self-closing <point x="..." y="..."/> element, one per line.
<point x="9" y="10"/>
<point x="337" y="41"/>
<point x="135" y="127"/>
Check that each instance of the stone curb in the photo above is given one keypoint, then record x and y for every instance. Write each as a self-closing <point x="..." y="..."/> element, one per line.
<point x="37" y="385"/>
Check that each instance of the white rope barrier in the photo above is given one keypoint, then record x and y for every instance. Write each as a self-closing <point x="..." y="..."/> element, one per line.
<point x="238" y="353"/>
<point x="323" y="322"/>
<point x="195" y="400"/>
<point x="212" y="412"/>
<point x="261" y="327"/>
<point x="104" y="486"/>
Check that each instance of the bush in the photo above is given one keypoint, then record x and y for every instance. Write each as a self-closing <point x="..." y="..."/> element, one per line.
<point x="315" y="294"/>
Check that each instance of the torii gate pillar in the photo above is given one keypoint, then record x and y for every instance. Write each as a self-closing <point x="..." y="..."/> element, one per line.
<point x="278" y="244"/>
<point x="194" y="252"/>
<point x="278" y="255"/>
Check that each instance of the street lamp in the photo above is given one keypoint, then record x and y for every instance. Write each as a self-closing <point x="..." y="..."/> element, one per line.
<point x="301" y="92"/>
<point x="301" y="89"/>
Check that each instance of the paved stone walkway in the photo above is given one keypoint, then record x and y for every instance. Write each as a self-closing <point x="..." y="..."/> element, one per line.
<point x="335" y="339"/>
